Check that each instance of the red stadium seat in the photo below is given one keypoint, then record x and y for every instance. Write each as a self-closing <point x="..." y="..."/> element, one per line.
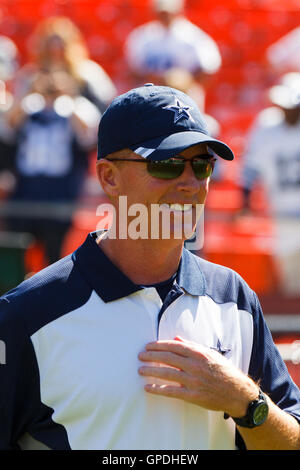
<point x="244" y="246"/>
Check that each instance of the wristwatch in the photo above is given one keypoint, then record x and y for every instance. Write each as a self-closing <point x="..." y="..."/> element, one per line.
<point x="256" y="415"/>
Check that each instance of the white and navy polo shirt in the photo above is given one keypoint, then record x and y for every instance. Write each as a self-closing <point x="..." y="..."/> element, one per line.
<point x="72" y="334"/>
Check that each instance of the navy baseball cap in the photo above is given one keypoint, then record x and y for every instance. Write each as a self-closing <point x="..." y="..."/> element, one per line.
<point x="156" y="122"/>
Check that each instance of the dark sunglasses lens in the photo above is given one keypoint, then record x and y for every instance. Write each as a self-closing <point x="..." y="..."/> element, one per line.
<point x="202" y="169"/>
<point x="165" y="169"/>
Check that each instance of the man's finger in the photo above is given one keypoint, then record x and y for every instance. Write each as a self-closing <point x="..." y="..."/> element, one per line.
<point x="164" y="357"/>
<point x="181" y="348"/>
<point x="166" y="373"/>
<point x="167" y="390"/>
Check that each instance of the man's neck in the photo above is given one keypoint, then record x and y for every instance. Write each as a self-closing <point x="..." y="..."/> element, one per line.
<point x="143" y="261"/>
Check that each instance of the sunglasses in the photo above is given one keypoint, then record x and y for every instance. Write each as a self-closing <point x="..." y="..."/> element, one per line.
<point x="173" y="167"/>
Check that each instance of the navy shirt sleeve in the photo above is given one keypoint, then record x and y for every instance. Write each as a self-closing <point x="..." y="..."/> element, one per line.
<point x="19" y="396"/>
<point x="268" y="368"/>
<point x="24" y="310"/>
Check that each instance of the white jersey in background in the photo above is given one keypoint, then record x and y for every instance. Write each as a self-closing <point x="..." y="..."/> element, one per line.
<point x="154" y="48"/>
<point x="273" y="157"/>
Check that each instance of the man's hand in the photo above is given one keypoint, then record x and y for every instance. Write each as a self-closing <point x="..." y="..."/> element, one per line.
<point x="202" y="376"/>
<point x="206" y="378"/>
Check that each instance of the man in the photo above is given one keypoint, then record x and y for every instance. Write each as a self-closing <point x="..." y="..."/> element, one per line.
<point x="54" y="130"/>
<point x="135" y="343"/>
<point x="277" y="167"/>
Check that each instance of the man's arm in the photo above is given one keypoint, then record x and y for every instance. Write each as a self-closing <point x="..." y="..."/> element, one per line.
<point x="204" y="377"/>
<point x="19" y="380"/>
<point x="281" y="431"/>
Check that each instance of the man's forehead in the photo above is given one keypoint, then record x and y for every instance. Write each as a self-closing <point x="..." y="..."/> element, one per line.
<point x="124" y="153"/>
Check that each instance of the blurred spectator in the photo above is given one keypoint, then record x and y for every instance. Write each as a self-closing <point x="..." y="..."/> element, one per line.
<point x="273" y="157"/>
<point x="8" y="59"/>
<point x="171" y="41"/>
<point x="9" y="62"/>
<point x="55" y="128"/>
<point x="58" y="45"/>
<point x="58" y="99"/>
<point x="184" y="80"/>
<point x="284" y="54"/>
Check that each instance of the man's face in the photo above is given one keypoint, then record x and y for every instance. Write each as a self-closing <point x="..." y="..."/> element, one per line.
<point x="165" y="17"/>
<point x="181" y="198"/>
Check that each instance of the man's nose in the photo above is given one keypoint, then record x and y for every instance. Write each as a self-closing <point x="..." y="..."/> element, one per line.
<point x="188" y="181"/>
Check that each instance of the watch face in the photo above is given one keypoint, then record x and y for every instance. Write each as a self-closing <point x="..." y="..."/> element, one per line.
<point x="260" y="413"/>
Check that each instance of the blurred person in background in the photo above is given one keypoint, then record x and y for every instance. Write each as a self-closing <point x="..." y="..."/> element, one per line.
<point x="58" y="99"/>
<point x="283" y="55"/>
<point x="185" y="81"/>
<point x="9" y="63"/>
<point x="55" y="129"/>
<point x="171" y="41"/>
<point x="57" y="45"/>
<point x="8" y="59"/>
<point x="273" y="158"/>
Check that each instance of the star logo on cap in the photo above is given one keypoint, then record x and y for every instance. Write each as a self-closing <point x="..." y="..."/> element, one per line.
<point x="180" y="111"/>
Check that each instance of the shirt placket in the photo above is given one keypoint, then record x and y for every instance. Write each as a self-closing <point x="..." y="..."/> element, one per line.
<point x="153" y="304"/>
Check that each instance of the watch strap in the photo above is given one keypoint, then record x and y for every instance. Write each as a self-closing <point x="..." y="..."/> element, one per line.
<point x="248" y="421"/>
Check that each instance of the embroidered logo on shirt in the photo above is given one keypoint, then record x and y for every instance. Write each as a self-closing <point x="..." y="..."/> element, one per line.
<point x="180" y="111"/>
<point x="220" y="349"/>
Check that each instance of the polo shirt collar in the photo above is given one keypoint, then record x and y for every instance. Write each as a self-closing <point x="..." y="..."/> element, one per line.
<point x="190" y="275"/>
<point x="111" y="284"/>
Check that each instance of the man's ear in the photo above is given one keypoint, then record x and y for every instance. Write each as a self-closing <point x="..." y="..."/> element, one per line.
<point x="108" y="178"/>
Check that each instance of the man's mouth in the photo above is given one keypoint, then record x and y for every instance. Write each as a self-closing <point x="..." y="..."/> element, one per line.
<point x="178" y="207"/>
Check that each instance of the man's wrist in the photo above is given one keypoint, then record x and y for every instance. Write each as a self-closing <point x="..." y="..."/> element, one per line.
<point x="245" y="395"/>
<point x="256" y="413"/>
